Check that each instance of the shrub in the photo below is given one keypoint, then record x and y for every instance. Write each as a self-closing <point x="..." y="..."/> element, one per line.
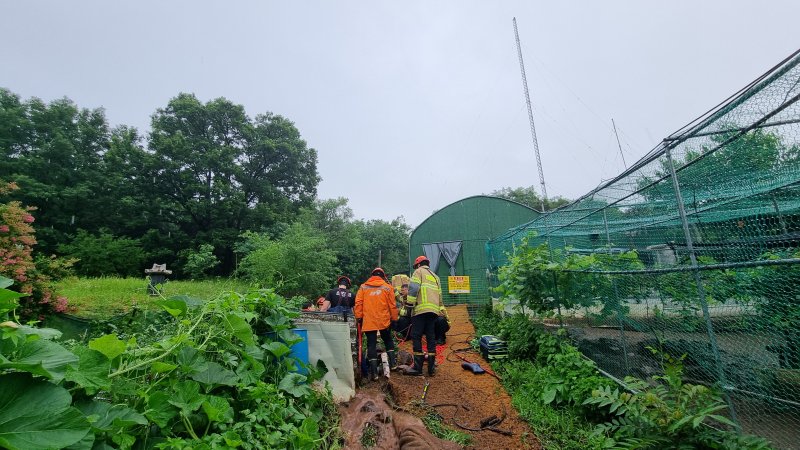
<point x="17" y="239"/>
<point x="200" y="262"/>
<point x="299" y="263"/>
<point x="105" y="254"/>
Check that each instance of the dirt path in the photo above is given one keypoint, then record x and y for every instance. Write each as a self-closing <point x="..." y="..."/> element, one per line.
<point x="478" y="396"/>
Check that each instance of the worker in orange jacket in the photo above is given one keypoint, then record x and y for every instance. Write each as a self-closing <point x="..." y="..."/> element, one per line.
<point x="376" y="312"/>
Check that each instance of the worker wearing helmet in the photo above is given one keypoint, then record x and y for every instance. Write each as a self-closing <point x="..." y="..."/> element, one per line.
<point x="339" y="299"/>
<point x="425" y="297"/>
<point x="376" y="312"/>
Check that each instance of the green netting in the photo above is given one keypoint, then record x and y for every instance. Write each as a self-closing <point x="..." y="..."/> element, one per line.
<point x="695" y="249"/>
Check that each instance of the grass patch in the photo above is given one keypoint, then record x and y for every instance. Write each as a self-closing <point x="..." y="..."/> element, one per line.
<point x="556" y="428"/>
<point x="101" y="298"/>
<point x="369" y="436"/>
<point x="434" y="423"/>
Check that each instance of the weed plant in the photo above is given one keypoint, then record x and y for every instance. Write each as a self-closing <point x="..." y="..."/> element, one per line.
<point x="569" y="405"/>
<point x="213" y="378"/>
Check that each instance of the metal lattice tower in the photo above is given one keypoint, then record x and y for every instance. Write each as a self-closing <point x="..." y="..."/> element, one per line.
<point x="530" y="116"/>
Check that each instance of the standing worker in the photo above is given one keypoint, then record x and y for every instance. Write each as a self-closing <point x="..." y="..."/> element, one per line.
<point x="376" y="312"/>
<point x="425" y="297"/>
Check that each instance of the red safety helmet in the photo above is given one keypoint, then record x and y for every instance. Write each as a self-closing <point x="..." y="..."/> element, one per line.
<point x="379" y="272"/>
<point x="420" y="260"/>
<point x="343" y="280"/>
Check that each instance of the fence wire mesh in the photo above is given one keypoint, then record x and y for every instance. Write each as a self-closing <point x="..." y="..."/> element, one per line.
<point x="695" y="249"/>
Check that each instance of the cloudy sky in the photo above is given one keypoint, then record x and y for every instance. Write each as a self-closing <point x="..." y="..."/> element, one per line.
<point x="411" y="105"/>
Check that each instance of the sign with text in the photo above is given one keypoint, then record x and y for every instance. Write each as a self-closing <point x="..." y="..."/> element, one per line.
<point x="458" y="285"/>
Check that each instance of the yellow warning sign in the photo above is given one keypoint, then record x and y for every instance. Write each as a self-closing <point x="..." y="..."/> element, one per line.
<point x="458" y="284"/>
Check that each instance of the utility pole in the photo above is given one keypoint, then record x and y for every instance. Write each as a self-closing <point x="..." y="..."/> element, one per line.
<point x="530" y="116"/>
<point x="618" y="144"/>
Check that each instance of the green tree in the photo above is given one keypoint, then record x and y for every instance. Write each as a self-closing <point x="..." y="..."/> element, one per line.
<point x="529" y="197"/>
<point x="222" y="173"/>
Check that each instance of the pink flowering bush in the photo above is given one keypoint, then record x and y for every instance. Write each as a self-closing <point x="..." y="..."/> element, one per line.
<point x="16" y="260"/>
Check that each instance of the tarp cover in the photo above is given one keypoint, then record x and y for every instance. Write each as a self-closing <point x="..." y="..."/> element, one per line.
<point x="432" y="252"/>
<point x="450" y="250"/>
<point x="330" y="342"/>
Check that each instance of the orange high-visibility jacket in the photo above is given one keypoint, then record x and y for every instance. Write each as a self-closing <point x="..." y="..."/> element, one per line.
<point x="375" y="304"/>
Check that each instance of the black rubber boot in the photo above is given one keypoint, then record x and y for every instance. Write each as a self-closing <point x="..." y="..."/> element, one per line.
<point x="431" y="365"/>
<point x="392" y="359"/>
<point x="373" y="369"/>
<point x="417" y="370"/>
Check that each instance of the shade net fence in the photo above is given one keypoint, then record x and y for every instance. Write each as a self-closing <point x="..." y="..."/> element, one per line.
<point x="694" y="250"/>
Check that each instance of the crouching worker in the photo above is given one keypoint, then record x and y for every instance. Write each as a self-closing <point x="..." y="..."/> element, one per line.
<point x="442" y="326"/>
<point x="425" y="297"/>
<point x="376" y="312"/>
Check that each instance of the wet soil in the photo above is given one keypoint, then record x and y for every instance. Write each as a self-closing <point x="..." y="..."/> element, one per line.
<point x="370" y="423"/>
<point x="461" y="397"/>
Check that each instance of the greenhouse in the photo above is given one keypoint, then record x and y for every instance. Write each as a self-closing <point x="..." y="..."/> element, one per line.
<point x="454" y="239"/>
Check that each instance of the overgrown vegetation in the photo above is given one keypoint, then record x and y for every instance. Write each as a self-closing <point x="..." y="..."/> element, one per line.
<point x="209" y="377"/>
<point x="569" y="405"/>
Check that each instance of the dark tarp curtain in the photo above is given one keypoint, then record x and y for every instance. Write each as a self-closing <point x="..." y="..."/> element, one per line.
<point x="450" y="250"/>
<point x="432" y="252"/>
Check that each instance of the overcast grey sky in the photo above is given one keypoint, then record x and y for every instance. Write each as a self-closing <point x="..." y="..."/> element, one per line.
<point x="428" y="91"/>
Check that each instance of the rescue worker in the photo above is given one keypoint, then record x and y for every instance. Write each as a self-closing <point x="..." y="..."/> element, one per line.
<point x="339" y="299"/>
<point x="425" y="297"/>
<point x="442" y="326"/>
<point x="376" y="313"/>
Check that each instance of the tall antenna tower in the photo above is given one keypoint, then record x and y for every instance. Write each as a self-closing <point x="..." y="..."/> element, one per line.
<point x="530" y="116"/>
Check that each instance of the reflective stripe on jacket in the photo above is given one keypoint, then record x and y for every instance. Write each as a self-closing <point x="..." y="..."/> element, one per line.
<point x="375" y="304"/>
<point x="424" y="291"/>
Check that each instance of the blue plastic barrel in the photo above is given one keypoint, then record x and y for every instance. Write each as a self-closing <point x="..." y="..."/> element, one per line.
<point x="300" y="350"/>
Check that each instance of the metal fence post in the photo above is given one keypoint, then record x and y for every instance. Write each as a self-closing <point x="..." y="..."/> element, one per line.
<point x="619" y="301"/>
<point x="700" y="289"/>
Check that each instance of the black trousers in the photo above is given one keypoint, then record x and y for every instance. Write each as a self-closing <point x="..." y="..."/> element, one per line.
<point x="372" y="341"/>
<point x="424" y="324"/>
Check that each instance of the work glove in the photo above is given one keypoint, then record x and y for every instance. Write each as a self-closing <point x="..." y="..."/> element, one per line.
<point x="393" y="325"/>
<point x="403" y="311"/>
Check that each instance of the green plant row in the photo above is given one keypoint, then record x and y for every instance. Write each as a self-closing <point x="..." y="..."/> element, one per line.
<point x="208" y="380"/>
<point x="570" y="405"/>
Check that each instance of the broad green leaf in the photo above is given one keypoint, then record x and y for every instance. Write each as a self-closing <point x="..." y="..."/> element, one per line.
<point x="161" y="367"/>
<point x="91" y="372"/>
<point x="108" y="345"/>
<point x="176" y="307"/>
<point x="548" y="396"/>
<point x="187" y="397"/>
<point x="218" y="409"/>
<point x="278" y="349"/>
<point x="87" y="443"/>
<point x="289" y="337"/>
<point x="106" y="417"/>
<point x="190" y="360"/>
<point x="215" y="374"/>
<point x="42" y="357"/>
<point x="44" y="333"/>
<point x="232" y="439"/>
<point x="159" y="409"/>
<point x="5" y="282"/>
<point x="294" y="384"/>
<point x="239" y="328"/>
<point x="36" y="414"/>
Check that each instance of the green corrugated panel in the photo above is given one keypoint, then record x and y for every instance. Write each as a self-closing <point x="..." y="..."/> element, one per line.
<point x="473" y="221"/>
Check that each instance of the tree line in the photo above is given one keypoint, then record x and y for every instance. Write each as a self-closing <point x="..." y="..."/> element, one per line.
<point x="202" y="190"/>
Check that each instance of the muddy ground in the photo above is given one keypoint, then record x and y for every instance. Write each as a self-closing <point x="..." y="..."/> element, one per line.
<point x="467" y="399"/>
